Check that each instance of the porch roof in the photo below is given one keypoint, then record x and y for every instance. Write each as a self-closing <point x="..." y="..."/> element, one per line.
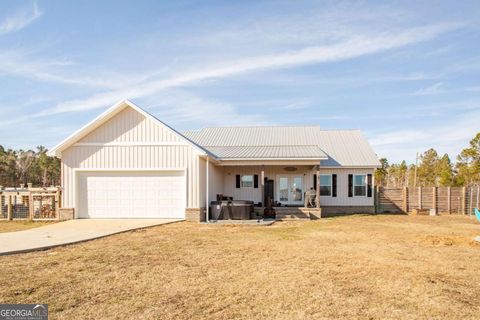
<point x="334" y="148"/>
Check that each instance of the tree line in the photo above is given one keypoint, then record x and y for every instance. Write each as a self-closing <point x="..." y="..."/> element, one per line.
<point x="433" y="169"/>
<point x="19" y="167"/>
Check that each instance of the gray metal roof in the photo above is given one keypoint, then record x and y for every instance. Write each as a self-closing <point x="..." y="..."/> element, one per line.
<point x="268" y="152"/>
<point x="346" y="148"/>
<point x="254" y="136"/>
<point x="342" y="148"/>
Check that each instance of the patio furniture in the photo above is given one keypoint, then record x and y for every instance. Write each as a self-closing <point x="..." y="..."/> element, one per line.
<point x="310" y="198"/>
<point x="231" y="210"/>
<point x="477" y="214"/>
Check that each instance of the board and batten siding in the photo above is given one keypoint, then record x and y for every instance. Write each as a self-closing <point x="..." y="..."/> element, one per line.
<point x="131" y="126"/>
<point x="215" y="181"/>
<point x="271" y="172"/>
<point x="129" y="140"/>
<point x="342" y="198"/>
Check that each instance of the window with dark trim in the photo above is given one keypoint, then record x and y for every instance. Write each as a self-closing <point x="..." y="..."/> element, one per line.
<point x="326" y="185"/>
<point x="360" y="185"/>
<point x="246" y="181"/>
<point x="334" y="185"/>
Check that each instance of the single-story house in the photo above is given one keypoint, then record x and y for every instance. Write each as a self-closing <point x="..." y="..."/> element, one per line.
<point x="128" y="164"/>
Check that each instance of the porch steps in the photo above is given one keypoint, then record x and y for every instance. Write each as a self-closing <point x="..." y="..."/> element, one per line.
<point x="292" y="217"/>
<point x="291" y="214"/>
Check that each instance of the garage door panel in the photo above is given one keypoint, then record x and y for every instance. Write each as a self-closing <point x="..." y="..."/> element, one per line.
<point x="131" y="194"/>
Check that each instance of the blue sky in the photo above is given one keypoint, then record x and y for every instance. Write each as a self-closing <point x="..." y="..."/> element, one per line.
<point x="406" y="73"/>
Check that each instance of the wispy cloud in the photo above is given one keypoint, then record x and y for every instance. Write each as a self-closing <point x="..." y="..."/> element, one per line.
<point x="353" y="47"/>
<point x="403" y="144"/>
<point x="435" y="88"/>
<point x="21" y="64"/>
<point x="300" y="104"/>
<point x="193" y="111"/>
<point x="20" y="19"/>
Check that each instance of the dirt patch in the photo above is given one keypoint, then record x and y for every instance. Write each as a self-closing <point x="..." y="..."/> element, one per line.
<point x="452" y="240"/>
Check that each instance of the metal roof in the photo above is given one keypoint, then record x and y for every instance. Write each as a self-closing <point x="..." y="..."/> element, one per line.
<point x="254" y="136"/>
<point x="343" y="148"/>
<point x="346" y="148"/>
<point x="268" y="152"/>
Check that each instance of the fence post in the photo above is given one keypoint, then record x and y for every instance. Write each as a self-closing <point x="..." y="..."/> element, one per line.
<point x="470" y="208"/>
<point x="478" y="192"/>
<point x="57" y="203"/>
<point x="449" y="200"/>
<point x="419" y="197"/>
<point x="434" y="198"/>
<point x="405" y="199"/>
<point x="9" y="208"/>
<point x="377" y="198"/>
<point x="463" y="198"/>
<point x="30" y="205"/>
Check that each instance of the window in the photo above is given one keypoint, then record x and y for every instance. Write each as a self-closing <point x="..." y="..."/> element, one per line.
<point x="247" y="181"/>
<point x="325" y="185"/>
<point x="360" y="185"/>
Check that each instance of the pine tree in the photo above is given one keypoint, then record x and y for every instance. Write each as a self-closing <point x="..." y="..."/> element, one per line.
<point x="427" y="170"/>
<point x="468" y="165"/>
<point x="381" y="173"/>
<point x="445" y="171"/>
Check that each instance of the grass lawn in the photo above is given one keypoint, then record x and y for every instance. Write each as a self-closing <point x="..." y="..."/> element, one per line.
<point x="18" y="225"/>
<point x="367" y="267"/>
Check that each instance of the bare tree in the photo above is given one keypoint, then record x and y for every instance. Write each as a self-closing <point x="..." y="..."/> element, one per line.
<point x="24" y="161"/>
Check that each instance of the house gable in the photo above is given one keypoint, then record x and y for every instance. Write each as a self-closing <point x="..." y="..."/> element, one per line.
<point x="125" y="124"/>
<point x="130" y="126"/>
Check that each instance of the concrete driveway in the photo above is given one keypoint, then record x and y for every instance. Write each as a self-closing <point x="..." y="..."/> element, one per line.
<point x="68" y="232"/>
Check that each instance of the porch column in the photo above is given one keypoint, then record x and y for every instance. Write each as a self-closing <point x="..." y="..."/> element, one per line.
<point x="317" y="196"/>
<point x="206" y="191"/>
<point x="262" y="184"/>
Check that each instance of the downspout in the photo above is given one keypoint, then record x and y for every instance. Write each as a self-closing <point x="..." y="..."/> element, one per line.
<point x="206" y="191"/>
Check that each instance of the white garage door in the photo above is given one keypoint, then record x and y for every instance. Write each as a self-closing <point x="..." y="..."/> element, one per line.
<point x="131" y="194"/>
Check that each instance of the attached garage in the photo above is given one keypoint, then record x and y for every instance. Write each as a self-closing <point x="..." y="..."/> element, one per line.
<point x="131" y="194"/>
<point x="128" y="164"/>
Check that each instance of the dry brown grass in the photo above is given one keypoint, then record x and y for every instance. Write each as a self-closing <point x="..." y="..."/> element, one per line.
<point x="18" y="225"/>
<point x="363" y="267"/>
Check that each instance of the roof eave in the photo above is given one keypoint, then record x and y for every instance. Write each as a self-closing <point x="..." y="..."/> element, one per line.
<point x="283" y="158"/>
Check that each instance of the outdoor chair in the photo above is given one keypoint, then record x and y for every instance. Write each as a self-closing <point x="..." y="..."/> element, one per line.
<point x="477" y="214"/>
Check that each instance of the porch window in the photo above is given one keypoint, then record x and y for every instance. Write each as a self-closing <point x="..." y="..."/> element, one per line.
<point x="247" y="181"/>
<point x="360" y="185"/>
<point x="325" y="185"/>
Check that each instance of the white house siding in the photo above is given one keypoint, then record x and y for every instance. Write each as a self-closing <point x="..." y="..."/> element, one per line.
<point x="138" y="143"/>
<point x="342" y="199"/>
<point x="215" y="181"/>
<point x="131" y="126"/>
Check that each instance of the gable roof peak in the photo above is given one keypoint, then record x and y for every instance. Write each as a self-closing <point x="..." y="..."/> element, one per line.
<point x="107" y="115"/>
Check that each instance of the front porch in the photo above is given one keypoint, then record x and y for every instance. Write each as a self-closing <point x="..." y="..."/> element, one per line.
<point x="337" y="190"/>
<point x="285" y="185"/>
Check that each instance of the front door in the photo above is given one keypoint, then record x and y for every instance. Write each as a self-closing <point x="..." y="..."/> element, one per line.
<point x="290" y="189"/>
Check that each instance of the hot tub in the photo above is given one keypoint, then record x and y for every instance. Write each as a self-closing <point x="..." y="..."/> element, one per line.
<point x="231" y="210"/>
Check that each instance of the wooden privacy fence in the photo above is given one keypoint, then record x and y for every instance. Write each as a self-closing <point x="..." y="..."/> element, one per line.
<point x="30" y="203"/>
<point x="447" y="200"/>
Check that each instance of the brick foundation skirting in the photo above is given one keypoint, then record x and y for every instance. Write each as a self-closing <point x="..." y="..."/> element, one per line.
<point x="66" y="214"/>
<point x="195" y="214"/>
<point x="329" y="211"/>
